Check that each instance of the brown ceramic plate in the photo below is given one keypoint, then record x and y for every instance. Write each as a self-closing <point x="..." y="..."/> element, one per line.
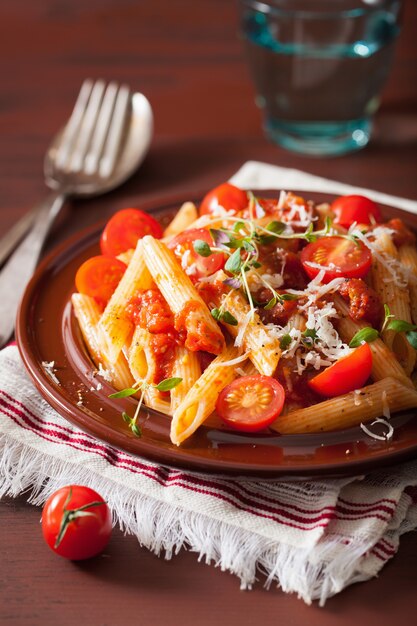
<point x="47" y="331"/>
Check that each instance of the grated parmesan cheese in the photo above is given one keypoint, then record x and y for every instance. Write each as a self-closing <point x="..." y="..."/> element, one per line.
<point x="385" y="436"/>
<point x="238" y="359"/>
<point x="242" y="329"/>
<point x="49" y="367"/>
<point x="399" y="274"/>
<point x="106" y="374"/>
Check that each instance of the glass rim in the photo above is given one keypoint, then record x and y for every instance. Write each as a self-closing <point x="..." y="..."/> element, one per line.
<point x="273" y="6"/>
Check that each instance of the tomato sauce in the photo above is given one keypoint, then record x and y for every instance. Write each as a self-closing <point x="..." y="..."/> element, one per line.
<point x="402" y="236"/>
<point x="298" y="394"/>
<point x="199" y="336"/>
<point x="148" y="309"/>
<point x="212" y="292"/>
<point x="364" y="302"/>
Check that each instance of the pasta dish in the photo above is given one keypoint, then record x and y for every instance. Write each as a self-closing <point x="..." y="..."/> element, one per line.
<point x="268" y="313"/>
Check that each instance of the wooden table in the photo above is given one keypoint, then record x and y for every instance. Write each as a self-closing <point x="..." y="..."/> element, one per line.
<point x="187" y="58"/>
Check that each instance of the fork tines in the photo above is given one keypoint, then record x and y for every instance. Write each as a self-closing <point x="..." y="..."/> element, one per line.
<point x="92" y="137"/>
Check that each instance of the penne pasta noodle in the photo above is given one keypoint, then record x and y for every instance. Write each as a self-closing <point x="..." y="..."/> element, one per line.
<point x="263" y="349"/>
<point x="192" y="314"/>
<point x="114" y="326"/>
<point x="142" y="363"/>
<point x="186" y="215"/>
<point x="350" y="409"/>
<point x="88" y="314"/>
<point x="408" y="257"/>
<point x="297" y="321"/>
<point x="126" y="257"/>
<point x="384" y="362"/>
<point x="397" y="299"/>
<point x="186" y="366"/>
<point x="201" y="399"/>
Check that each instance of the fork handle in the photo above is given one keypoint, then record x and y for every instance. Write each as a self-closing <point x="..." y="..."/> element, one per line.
<point x="19" y="268"/>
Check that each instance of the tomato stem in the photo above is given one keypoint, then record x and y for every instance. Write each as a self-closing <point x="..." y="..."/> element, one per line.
<point x="69" y="515"/>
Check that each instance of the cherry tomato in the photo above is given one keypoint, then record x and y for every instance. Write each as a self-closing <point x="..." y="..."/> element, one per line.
<point x="123" y="230"/>
<point x="99" y="276"/>
<point x="348" y="373"/>
<point x="349" y="209"/>
<point x="196" y="265"/>
<point x="346" y="258"/>
<point x="227" y="196"/>
<point x="76" y="522"/>
<point x="251" y="403"/>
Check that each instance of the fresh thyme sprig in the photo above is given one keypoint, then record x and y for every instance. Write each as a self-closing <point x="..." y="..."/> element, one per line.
<point x="164" y="385"/>
<point x="241" y="245"/>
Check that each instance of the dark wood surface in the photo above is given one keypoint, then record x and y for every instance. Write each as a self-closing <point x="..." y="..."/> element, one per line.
<point x="187" y="58"/>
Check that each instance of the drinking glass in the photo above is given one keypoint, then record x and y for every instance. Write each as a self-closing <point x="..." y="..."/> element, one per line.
<point x="319" y="67"/>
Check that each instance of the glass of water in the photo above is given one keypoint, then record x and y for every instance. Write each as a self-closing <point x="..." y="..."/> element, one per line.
<point x="319" y="67"/>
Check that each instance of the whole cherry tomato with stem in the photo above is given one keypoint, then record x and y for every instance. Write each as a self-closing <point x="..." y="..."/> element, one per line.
<point x="76" y="522"/>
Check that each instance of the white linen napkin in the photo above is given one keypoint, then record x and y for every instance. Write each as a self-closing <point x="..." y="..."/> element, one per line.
<point x="312" y="538"/>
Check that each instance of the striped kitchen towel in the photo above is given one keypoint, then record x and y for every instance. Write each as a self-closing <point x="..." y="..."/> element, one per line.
<point x="312" y="538"/>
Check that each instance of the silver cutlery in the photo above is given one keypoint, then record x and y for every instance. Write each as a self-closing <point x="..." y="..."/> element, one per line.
<point x="102" y="144"/>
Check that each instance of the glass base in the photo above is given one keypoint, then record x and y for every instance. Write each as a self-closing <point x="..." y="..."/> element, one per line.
<point x="320" y="138"/>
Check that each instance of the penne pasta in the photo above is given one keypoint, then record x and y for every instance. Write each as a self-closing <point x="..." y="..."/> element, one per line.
<point x="88" y="314"/>
<point x="201" y="399"/>
<point x="143" y="365"/>
<point x="184" y="218"/>
<point x="408" y="257"/>
<point x="126" y="257"/>
<point x="114" y="325"/>
<point x="349" y="410"/>
<point x="186" y="366"/>
<point x="253" y="336"/>
<point x="192" y="314"/>
<point x="396" y="298"/>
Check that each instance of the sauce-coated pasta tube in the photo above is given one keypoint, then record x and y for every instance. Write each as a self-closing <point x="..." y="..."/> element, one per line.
<point x="88" y="314"/>
<point x="114" y="325"/>
<point x="186" y="366"/>
<point x="348" y="410"/>
<point x="408" y="257"/>
<point x="187" y="214"/>
<point x="201" y="399"/>
<point x="263" y="349"/>
<point x="142" y="363"/>
<point x="397" y="298"/>
<point x="190" y="310"/>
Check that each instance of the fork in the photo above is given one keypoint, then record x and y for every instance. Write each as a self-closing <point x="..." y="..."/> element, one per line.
<point x="80" y="160"/>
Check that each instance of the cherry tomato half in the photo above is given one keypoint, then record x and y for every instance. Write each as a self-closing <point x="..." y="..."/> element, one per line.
<point x="123" y="230"/>
<point x="195" y="265"/>
<point x="99" y="276"/>
<point x="227" y="196"/>
<point x="349" y="209"/>
<point x="76" y="522"/>
<point x="348" y="373"/>
<point x="251" y="403"/>
<point x="346" y="258"/>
